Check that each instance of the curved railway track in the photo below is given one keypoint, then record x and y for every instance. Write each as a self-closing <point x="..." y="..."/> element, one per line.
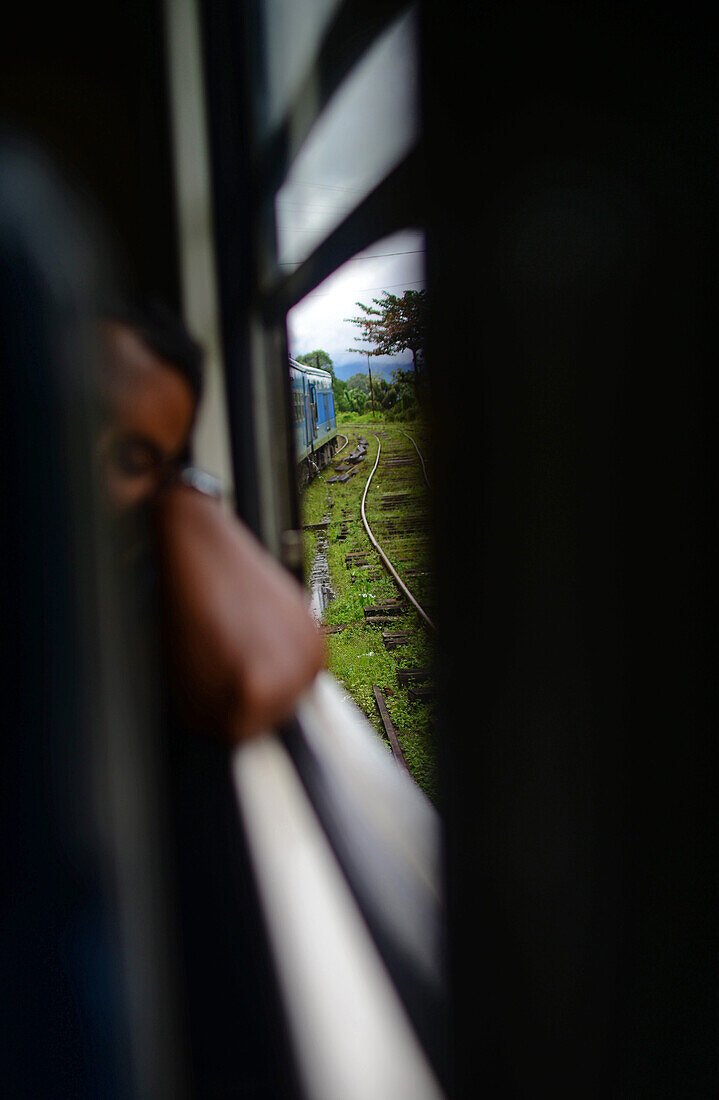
<point x="394" y="528"/>
<point x="421" y="457"/>
<point x="399" y="535"/>
<point x="385" y="559"/>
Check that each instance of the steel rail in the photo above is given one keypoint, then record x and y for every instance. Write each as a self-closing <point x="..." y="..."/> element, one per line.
<point x="419" y="453"/>
<point x="379" y="549"/>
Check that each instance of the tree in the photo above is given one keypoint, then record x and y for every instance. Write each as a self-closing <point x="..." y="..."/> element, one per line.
<point x="368" y="383"/>
<point x="340" y="391"/>
<point x="319" y="359"/>
<point x="359" y="382"/>
<point x="357" y="400"/>
<point x="406" y="394"/>
<point x="389" y="397"/>
<point x="393" y="325"/>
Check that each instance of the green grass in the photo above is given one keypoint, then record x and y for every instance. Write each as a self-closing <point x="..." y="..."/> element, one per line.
<point x="357" y="656"/>
<point x="368" y="417"/>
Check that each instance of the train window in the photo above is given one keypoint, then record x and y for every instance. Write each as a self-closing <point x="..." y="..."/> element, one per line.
<point x="289" y="35"/>
<point x="369" y="125"/>
<point x="381" y="646"/>
<point x="330" y="113"/>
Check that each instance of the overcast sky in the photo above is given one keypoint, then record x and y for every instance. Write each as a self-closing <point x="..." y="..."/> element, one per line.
<point x="318" y="320"/>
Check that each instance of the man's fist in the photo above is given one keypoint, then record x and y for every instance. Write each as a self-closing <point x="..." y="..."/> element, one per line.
<point x="242" y="644"/>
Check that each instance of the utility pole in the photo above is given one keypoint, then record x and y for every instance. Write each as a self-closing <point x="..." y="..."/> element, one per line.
<point x="359" y="351"/>
<point x="371" y="391"/>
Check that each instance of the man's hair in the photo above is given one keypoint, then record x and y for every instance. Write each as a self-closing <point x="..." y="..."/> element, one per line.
<point x="163" y="331"/>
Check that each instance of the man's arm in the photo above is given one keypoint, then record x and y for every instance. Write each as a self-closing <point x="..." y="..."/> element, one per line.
<point x="242" y="644"/>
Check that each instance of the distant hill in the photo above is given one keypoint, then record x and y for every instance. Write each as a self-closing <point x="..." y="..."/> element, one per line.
<point x="380" y="369"/>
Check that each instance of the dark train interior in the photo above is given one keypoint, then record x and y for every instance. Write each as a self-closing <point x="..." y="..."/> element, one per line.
<point x="565" y="174"/>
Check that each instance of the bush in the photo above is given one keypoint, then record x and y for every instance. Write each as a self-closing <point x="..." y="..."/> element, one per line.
<point x="406" y="410"/>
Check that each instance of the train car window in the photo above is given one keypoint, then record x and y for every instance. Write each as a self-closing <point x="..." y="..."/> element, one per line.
<point x="371" y="606"/>
<point x="289" y="35"/>
<point x="369" y="125"/>
<point x="316" y="156"/>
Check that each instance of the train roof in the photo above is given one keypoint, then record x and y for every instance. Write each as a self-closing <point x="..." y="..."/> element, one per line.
<point x="316" y="372"/>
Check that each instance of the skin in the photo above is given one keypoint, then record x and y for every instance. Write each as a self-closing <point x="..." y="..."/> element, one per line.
<point x="241" y="643"/>
<point x="149" y="410"/>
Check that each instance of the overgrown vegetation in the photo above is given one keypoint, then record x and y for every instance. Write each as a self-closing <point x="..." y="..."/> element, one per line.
<point x="357" y="656"/>
<point x="398" y="399"/>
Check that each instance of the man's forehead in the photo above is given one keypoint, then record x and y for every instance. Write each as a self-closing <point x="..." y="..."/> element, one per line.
<point x="133" y="375"/>
<point x="127" y="352"/>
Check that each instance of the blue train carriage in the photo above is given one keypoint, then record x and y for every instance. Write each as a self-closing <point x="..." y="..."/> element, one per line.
<point x="313" y="417"/>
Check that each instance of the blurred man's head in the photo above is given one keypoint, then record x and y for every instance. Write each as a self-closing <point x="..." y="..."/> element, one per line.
<point x="151" y="384"/>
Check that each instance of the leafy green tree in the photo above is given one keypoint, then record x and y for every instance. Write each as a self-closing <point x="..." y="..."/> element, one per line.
<point x="389" y="397"/>
<point x="359" y="382"/>
<point x="370" y="384"/>
<point x="401" y="378"/>
<point x="340" y="391"/>
<point x="342" y="401"/>
<point x="357" y="400"/>
<point x="405" y="393"/>
<point x="393" y="325"/>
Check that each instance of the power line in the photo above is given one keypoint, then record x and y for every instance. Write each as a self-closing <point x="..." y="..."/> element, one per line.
<point x="375" y="256"/>
<point x="363" y="289"/>
<point x="379" y="255"/>
<point x="331" y="187"/>
<point x="297" y="204"/>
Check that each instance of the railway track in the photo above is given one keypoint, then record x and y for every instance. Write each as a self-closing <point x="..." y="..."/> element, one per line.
<point x="378" y="512"/>
<point x="378" y="547"/>
<point x="420" y="455"/>
<point x="395" y="515"/>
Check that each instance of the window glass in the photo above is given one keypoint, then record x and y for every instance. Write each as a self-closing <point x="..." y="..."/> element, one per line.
<point x="370" y="124"/>
<point x="291" y="34"/>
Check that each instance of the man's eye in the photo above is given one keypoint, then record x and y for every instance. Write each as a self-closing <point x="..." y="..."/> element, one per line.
<point x="133" y="458"/>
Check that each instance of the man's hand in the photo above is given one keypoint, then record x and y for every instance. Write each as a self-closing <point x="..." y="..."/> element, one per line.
<point x="242" y="643"/>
